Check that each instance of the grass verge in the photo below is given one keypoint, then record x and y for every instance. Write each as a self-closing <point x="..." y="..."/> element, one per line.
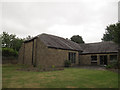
<point x="67" y="78"/>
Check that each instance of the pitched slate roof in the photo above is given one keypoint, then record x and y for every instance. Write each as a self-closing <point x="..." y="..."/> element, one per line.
<point x="52" y="41"/>
<point x="101" y="47"/>
<point x="59" y="42"/>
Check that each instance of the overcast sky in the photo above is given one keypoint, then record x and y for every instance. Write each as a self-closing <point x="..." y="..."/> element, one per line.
<point x="87" y="18"/>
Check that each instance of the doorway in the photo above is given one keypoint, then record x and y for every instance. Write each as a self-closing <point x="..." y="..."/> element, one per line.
<point x="103" y="60"/>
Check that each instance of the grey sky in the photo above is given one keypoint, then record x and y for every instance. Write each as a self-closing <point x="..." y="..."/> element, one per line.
<point x="87" y="18"/>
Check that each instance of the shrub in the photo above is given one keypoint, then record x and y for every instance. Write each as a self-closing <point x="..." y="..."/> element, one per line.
<point x="53" y="66"/>
<point x="67" y="63"/>
<point x="34" y="65"/>
<point x="109" y="66"/>
<point x="113" y="64"/>
<point x="9" y="52"/>
<point x="40" y="67"/>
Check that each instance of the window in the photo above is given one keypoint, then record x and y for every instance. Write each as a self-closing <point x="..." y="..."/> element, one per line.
<point x="103" y="60"/>
<point x="113" y="57"/>
<point x="72" y="57"/>
<point x="94" y="60"/>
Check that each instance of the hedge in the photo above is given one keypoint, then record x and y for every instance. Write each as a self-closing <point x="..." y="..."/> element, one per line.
<point x="9" y="52"/>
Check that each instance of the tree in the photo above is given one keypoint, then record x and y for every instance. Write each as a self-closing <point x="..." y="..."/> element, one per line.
<point x="11" y="41"/>
<point x="116" y="33"/>
<point x="5" y="37"/>
<point x="76" y="38"/>
<point x="17" y="43"/>
<point x="107" y="37"/>
<point x="112" y="33"/>
<point x="28" y="37"/>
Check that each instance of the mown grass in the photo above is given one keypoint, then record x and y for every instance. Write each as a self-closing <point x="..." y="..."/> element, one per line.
<point x="67" y="78"/>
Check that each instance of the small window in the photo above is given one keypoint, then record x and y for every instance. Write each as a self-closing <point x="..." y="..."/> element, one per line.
<point x="113" y="57"/>
<point x="72" y="57"/>
<point x="93" y="60"/>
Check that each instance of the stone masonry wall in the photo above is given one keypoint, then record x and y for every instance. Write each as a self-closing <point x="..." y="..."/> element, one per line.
<point x="46" y="57"/>
<point x="28" y="53"/>
<point x="20" y="54"/>
<point x="86" y="59"/>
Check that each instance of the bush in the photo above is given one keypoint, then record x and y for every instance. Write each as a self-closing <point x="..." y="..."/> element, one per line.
<point x="113" y="64"/>
<point x="67" y="63"/>
<point x="40" y="67"/>
<point x="109" y="66"/>
<point x="9" y="52"/>
<point x="53" y="66"/>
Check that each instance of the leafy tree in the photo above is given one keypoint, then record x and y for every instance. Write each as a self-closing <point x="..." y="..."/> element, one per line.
<point x="76" y="38"/>
<point x="28" y="37"/>
<point x="112" y="33"/>
<point x="17" y="44"/>
<point x="107" y="37"/>
<point x="5" y="39"/>
<point x="10" y="41"/>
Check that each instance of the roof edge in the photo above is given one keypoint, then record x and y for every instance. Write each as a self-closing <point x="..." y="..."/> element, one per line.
<point x="64" y="49"/>
<point x="99" y="53"/>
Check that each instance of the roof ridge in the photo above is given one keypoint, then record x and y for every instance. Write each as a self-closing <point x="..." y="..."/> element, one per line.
<point x="59" y="42"/>
<point x="53" y="35"/>
<point x="59" y="37"/>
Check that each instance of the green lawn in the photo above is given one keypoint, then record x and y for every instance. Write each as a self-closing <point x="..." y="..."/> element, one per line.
<point x="67" y="78"/>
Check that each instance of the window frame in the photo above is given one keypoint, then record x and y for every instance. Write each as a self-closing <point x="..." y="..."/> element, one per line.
<point x="94" y="59"/>
<point x="72" y="57"/>
<point x="113" y="56"/>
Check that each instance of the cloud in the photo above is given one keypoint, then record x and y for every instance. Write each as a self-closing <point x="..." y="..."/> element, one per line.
<point x="88" y="31"/>
<point x="58" y="17"/>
